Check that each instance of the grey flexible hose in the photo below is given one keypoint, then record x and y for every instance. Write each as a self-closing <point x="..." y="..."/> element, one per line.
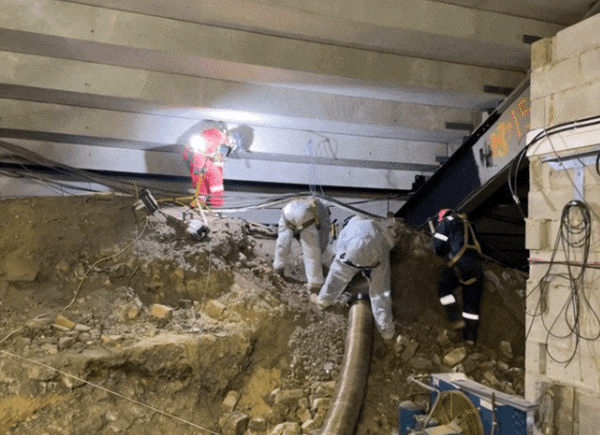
<point x="345" y="409"/>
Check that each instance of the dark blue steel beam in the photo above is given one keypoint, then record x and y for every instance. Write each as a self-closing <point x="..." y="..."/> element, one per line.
<point x="477" y="165"/>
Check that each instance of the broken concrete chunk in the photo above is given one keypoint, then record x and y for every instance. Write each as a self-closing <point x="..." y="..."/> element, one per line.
<point x="162" y="312"/>
<point x="455" y="356"/>
<point x="41" y="373"/>
<point x="325" y="389"/>
<point x="20" y="265"/>
<point x="257" y="424"/>
<point x="443" y="339"/>
<point x="214" y="309"/>
<point x="420" y="364"/>
<point x="401" y="342"/>
<point x="63" y="266"/>
<point x="71" y="382"/>
<point x="133" y="312"/>
<point x="470" y="365"/>
<point x="62" y="322"/>
<point x="112" y="340"/>
<point x="273" y="418"/>
<point x="303" y="415"/>
<point x="506" y="349"/>
<point x="82" y="328"/>
<point x="309" y="426"/>
<point x="410" y="350"/>
<point x="288" y="397"/>
<point x="65" y="342"/>
<point x="50" y="349"/>
<point x="230" y="402"/>
<point x="491" y="378"/>
<point x="487" y="365"/>
<point x="234" y="423"/>
<point x="322" y="403"/>
<point x="287" y="429"/>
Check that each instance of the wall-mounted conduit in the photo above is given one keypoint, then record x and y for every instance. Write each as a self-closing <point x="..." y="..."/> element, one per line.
<point x="345" y="409"/>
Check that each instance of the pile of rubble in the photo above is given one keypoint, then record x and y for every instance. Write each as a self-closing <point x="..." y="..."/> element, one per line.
<point x="133" y="328"/>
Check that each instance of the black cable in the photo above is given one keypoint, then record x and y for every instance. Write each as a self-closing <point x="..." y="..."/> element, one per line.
<point x="574" y="236"/>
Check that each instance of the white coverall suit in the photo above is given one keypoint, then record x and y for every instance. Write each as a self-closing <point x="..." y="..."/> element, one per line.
<point x="364" y="245"/>
<point x="308" y="219"/>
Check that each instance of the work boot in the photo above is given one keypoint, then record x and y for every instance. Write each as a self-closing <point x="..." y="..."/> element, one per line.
<point x="388" y="333"/>
<point x="453" y="313"/>
<point x="470" y="331"/>
<point x="458" y="325"/>
<point x="313" y="287"/>
<point x="321" y="304"/>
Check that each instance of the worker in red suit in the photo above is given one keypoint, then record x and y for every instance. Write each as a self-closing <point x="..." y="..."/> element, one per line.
<point x="204" y="152"/>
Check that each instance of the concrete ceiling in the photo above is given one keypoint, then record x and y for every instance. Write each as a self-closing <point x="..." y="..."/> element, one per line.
<point x="417" y="72"/>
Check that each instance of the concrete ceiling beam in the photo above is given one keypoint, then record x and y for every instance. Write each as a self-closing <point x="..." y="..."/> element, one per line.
<point x="551" y="11"/>
<point x="419" y="28"/>
<point x="100" y="158"/>
<point x="186" y="94"/>
<point x="91" y="33"/>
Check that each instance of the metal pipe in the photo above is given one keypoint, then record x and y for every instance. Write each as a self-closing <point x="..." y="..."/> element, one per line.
<point x="342" y="417"/>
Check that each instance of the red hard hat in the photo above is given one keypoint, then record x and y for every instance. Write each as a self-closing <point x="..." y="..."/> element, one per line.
<point x="443" y="212"/>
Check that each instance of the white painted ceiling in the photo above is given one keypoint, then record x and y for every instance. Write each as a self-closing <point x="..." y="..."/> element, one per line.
<point x="410" y="70"/>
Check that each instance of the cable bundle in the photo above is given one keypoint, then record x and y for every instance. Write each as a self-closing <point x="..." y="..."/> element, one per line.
<point x="573" y="237"/>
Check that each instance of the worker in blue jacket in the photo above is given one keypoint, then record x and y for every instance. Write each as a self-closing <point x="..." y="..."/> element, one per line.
<point x="454" y="238"/>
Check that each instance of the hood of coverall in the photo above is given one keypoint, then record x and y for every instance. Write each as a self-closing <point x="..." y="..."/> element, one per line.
<point x="364" y="252"/>
<point x="214" y="138"/>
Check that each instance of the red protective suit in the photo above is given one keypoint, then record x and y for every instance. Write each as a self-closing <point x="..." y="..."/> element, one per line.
<point x="207" y="167"/>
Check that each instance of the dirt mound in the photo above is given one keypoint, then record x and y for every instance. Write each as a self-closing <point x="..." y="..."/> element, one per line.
<point x="112" y="321"/>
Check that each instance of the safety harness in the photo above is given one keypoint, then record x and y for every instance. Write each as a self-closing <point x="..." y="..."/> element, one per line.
<point x="314" y="220"/>
<point x="470" y="242"/>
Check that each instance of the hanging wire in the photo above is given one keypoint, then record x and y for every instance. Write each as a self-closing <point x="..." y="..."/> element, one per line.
<point x="574" y="237"/>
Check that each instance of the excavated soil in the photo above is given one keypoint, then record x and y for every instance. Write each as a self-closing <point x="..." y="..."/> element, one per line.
<point x="115" y="321"/>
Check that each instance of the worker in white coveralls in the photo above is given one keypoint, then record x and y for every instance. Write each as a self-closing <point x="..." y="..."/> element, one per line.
<point x="364" y="245"/>
<point x="306" y="219"/>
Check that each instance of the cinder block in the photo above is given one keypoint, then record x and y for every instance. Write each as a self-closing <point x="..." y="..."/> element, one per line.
<point x="543" y="205"/>
<point x="536" y="172"/>
<point x="579" y="38"/>
<point x="555" y="77"/>
<point x="536" y="234"/>
<point x="542" y="53"/>
<point x="535" y="358"/>
<point x="577" y="103"/>
<point x="564" y="406"/>
<point x="589" y="413"/>
<point x="590" y="65"/>
<point x="537" y="115"/>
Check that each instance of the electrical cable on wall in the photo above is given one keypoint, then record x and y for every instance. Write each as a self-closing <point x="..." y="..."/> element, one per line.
<point x="574" y="237"/>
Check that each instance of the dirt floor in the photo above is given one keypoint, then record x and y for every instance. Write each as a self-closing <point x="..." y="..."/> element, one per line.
<point x="116" y="321"/>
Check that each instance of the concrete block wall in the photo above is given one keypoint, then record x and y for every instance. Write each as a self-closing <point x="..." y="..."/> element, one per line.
<point x="565" y="87"/>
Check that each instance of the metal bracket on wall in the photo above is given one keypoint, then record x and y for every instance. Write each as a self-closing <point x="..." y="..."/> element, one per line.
<point x="578" y="164"/>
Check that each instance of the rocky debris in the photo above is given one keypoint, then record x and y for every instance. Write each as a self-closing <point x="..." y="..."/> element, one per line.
<point x="205" y="331"/>
<point x="455" y="356"/>
<point x="317" y="350"/>
<point x="161" y="312"/>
